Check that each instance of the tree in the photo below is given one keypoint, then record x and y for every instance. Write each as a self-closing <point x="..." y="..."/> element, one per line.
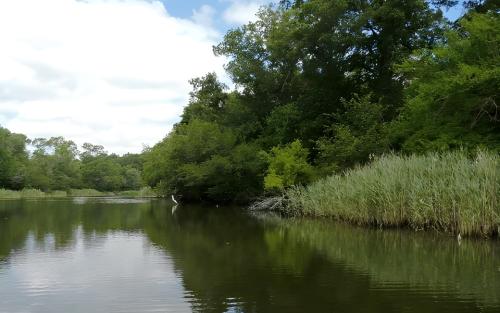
<point x="206" y="100"/>
<point x="102" y="173"/>
<point x="353" y="136"/>
<point x="13" y="159"/>
<point x="202" y="160"/>
<point x="453" y="91"/>
<point x="131" y="179"/>
<point x="332" y="83"/>
<point x="54" y="164"/>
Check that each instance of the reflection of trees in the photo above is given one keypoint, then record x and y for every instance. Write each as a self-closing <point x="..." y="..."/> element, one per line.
<point x="60" y="219"/>
<point x="422" y="260"/>
<point x="264" y="267"/>
<point x="227" y="259"/>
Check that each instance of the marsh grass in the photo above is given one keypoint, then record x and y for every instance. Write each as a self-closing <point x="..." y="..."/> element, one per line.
<point x="22" y="194"/>
<point x="88" y="193"/>
<point x="145" y="192"/>
<point x="38" y="194"/>
<point x="449" y="192"/>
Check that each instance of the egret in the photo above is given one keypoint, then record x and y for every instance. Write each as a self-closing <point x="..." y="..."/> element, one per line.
<point x="173" y="199"/>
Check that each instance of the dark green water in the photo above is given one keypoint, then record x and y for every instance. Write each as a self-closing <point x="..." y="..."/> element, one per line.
<point x="118" y="255"/>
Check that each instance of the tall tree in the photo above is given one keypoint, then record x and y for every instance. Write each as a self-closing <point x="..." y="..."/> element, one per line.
<point x="454" y="90"/>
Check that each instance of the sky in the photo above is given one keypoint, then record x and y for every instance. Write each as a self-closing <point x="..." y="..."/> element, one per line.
<point x="108" y="72"/>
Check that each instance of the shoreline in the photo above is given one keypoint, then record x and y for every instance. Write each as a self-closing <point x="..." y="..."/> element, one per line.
<point x="450" y="193"/>
<point x="29" y="193"/>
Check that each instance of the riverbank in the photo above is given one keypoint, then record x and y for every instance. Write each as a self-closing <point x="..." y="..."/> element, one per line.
<point x="28" y="193"/>
<point x="447" y="192"/>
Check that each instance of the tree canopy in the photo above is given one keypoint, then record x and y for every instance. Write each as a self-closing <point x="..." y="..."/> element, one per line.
<point x="322" y="86"/>
<point x="57" y="164"/>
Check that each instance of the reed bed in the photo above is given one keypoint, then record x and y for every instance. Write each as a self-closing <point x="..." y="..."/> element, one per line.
<point x="27" y="193"/>
<point x="88" y="193"/>
<point x="145" y="192"/>
<point x="449" y="192"/>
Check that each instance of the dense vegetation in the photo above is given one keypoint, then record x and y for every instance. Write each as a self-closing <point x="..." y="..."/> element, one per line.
<point x="56" y="164"/>
<point x="320" y="87"/>
<point x="323" y="86"/>
<point x="448" y="192"/>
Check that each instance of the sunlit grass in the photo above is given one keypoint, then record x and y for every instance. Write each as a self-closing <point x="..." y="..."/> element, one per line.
<point x="21" y="194"/>
<point x="448" y="192"/>
<point x="145" y="192"/>
<point x="28" y="193"/>
<point x="88" y="193"/>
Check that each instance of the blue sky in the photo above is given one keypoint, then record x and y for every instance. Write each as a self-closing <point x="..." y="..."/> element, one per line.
<point x="109" y="72"/>
<point x="184" y="9"/>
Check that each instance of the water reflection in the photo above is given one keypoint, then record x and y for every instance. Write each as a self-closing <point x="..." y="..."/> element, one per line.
<point x="114" y="255"/>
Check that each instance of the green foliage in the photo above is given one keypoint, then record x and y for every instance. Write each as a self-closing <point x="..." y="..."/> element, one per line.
<point x="345" y="80"/>
<point x="201" y="160"/>
<point x="354" y="135"/>
<point x="144" y="192"/>
<point x="207" y="98"/>
<point x="449" y="192"/>
<point x="86" y="192"/>
<point x="102" y="173"/>
<point x="13" y="159"/>
<point x="56" y="166"/>
<point x="29" y="193"/>
<point x="288" y="167"/>
<point x="281" y="125"/>
<point x="454" y="91"/>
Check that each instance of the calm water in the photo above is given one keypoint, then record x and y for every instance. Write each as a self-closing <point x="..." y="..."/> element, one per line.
<point x="118" y="255"/>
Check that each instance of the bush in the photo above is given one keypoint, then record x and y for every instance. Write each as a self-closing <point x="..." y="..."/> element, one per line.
<point x="288" y="167"/>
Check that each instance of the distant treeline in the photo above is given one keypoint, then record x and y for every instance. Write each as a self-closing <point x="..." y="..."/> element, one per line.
<point x="57" y="164"/>
<point x="323" y="86"/>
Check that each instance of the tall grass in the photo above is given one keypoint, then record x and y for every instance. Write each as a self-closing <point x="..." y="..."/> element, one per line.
<point x="144" y="192"/>
<point x="448" y="192"/>
<point x="29" y="193"/>
<point x="88" y="193"/>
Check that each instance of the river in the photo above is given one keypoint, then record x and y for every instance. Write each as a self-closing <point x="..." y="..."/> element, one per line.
<point x="133" y="255"/>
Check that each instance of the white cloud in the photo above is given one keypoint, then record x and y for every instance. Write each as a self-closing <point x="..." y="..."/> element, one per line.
<point x="204" y="15"/>
<point x="241" y="12"/>
<point x="111" y="72"/>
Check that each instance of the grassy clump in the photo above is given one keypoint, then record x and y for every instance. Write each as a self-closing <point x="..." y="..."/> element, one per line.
<point x="9" y="194"/>
<point x="448" y="192"/>
<point x="29" y="193"/>
<point x="145" y="192"/>
<point x="57" y="194"/>
<point x="88" y="193"/>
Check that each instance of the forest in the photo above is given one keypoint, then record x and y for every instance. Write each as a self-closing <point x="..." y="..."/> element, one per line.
<point x="57" y="164"/>
<point x="325" y="86"/>
<point x="320" y="87"/>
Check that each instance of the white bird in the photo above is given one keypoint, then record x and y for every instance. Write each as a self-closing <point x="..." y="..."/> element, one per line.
<point x="459" y="237"/>
<point x="173" y="199"/>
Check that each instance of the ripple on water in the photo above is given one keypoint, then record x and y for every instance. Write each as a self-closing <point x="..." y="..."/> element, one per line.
<point x="120" y="256"/>
<point x="120" y="274"/>
<point x="110" y="200"/>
